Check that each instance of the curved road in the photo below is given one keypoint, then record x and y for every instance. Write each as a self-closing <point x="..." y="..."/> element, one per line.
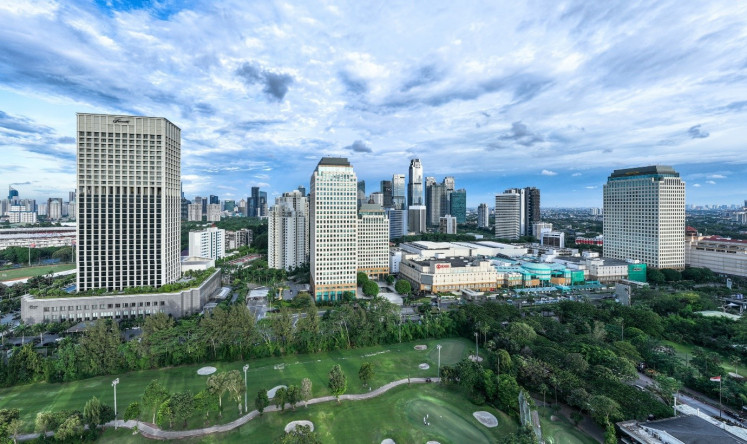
<point x="152" y="431"/>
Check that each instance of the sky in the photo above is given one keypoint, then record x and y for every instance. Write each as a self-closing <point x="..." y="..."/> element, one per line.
<point x="553" y="94"/>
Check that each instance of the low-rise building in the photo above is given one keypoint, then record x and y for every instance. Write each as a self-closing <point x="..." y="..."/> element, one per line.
<point x="39" y="237"/>
<point x="209" y="243"/>
<point x="447" y="224"/>
<point x="238" y="238"/>
<point x="449" y="274"/>
<point x="718" y="254"/>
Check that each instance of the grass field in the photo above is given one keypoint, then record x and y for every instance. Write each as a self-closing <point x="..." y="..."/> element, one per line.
<point x="20" y="273"/>
<point x="685" y="352"/>
<point x="392" y="362"/>
<point x="561" y="430"/>
<point x="397" y="414"/>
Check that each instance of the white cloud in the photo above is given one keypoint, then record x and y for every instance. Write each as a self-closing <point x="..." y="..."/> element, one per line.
<point x="548" y="173"/>
<point x="591" y="187"/>
<point x="716" y="176"/>
<point x="575" y="174"/>
<point x="696" y="185"/>
<point x="711" y="182"/>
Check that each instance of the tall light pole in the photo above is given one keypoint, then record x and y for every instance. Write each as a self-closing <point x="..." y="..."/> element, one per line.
<point x="114" y="384"/>
<point x="246" y="367"/>
<point x="439" y="362"/>
<point x="477" y="350"/>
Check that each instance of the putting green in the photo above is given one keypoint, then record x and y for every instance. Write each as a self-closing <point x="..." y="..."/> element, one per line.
<point x="452" y="351"/>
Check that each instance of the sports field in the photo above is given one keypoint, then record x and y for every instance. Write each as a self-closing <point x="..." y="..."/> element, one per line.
<point x="391" y="362"/>
<point x="397" y="415"/>
<point x="20" y="273"/>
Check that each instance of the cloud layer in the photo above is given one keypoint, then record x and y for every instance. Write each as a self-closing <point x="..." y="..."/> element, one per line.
<point x="499" y="95"/>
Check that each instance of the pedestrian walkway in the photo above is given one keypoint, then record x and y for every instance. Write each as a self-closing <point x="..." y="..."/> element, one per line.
<point x="152" y="431"/>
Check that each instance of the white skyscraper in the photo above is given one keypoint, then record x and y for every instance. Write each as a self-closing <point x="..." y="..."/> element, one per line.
<point x="483" y="216"/>
<point x="210" y="243"/>
<point x="333" y="210"/>
<point x="373" y="241"/>
<point x="288" y="231"/>
<point x="213" y="213"/>
<point x="415" y="187"/>
<point x="194" y="212"/>
<point x="128" y="200"/>
<point x="644" y="216"/>
<point x="508" y="215"/>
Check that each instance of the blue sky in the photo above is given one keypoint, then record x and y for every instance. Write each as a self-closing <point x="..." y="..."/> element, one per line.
<point x="553" y="94"/>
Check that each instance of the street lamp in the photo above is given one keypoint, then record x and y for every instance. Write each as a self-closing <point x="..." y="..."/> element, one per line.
<point x="114" y="384"/>
<point x="246" y="367"/>
<point x="439" y="362"/>
<point x="477" y="350"/>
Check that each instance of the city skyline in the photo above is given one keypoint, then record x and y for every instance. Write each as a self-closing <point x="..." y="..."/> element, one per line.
<point x="554" y="96"/>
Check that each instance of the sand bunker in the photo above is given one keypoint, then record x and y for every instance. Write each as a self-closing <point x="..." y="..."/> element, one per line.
<point x="433" y="442"/>
<point x="292" y="425"/>
<point x="486" y="418"/>
<point x="388" y="441"/>
<point x="272" y="391"/>
<point x="421" y="347"/>
<point x="278" y="366"/>
<point x="424" y="366"/>
<point x="204" y="371"/>
<point x="475" y="359"/>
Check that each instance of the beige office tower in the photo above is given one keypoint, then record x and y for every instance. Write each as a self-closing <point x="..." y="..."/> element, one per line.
<point x="129" y="201"/>
<point x="288" y="231"/>
<point x="508" y="215"/>
<point x="373" y="241"/>
<point x="644" y="216"/>
<point x="333" y="210"/>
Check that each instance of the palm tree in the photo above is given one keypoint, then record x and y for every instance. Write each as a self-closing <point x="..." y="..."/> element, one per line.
<point x="4" y="328"/>
<point x="734" y="360"/>
<point x="22" y="329"/>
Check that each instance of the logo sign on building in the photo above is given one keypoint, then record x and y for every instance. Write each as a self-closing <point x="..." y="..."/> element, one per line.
<point x="442" y="266"/>
<point x="119" y="120"/>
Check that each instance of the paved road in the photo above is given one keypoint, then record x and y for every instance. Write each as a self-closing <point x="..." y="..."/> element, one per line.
<point x="152" y="431"/>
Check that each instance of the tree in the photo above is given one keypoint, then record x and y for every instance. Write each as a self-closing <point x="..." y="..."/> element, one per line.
<point x="370" y="289"/>
<point x="655" y="276"/>
<point x="366" y="372"/>
<point x="281" y="396"/>
<point x="71" y="428"/>
<point x="338" y="383"/>
<point x="99" y="348"/>
<point x="182" y="406"/>
<point x="390" y="279"/>
<point x="44" y="422"/>
<point x="403" y="287"/>
<point x="14" y="427"/>
<point x="306" y="390"/>
<point x="92" y="413"/>
<point x="293" y="395"/>
<point x="156" y="322"/>
<point x="132" y="411"/>
<point x="217" y="385"/>
<point x="666" y="387"/>
<point x="300" y="435"/>
<point x="235" y="386"/>
<point x="155" y="394"/>
<point x="165" y="415"/>
<point x="362" y="278"/>
<point x="521" y="333"/>
<point x="261" y="401"/>
<point x="609" y="434"/>
<point x="603" y="409"/>
<point x="205" y="402"/>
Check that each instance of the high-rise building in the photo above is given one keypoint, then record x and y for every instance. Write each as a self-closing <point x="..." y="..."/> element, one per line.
<point x="242" y="207"/>
<point x="434" y="197"/>
<point x="483" y="216"/>
<point x="229" y="205"/>
<point x="447" y="224"/>
<point x="376" y="198"/>
<point x="415" y="186"/>
<point x="398" y="191"/>
<point x="128" y="213"/>
<point x="333" y="211"/>
<point x="253" y="203"/>
<point x="532" y="208"/>
<point x="416" y="219"/>
<point x="386" y="191"/>
<point x="262" y="207"/>
<point x="508" y="215"/>
<point x="213" y="212"/>
<point x="12" y="193"/>
<point x="373" y="241"/>
<point x="361" y="193"/>
<point x="54" y="208"/>
<point x="302" y="189"/>
<point x="539" y="228"/>
<point x="288" y="231"/>
<point x="185" y="203"/>
<point x="71" y="196"/>
<point x="213" y="199"/>
<point x="397" y="222"/>
<point x="644" y="216"/>
<point x="209" y="243"/>
<point x="458" y="207"/>
<point x="194" y="212"/>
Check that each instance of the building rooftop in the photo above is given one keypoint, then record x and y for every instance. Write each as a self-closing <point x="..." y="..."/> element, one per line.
<point x="688" y="429"/>
<point x="371" y="208"/>
<point x="726" y="240"/>
<point x="453" y="261"/>
<point x="644" y="171"/>
<point x="334" y="161"/>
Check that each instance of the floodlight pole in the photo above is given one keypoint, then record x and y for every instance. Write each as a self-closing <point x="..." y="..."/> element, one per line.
<point x="246" y="367"/>
<point x="477" y="349"/>
<point x="439" y="362"/>
<point x="114" y="384"/>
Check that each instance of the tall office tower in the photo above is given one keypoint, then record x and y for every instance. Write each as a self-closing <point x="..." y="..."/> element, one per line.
<point x="262" y="207"/>
<point x="302" y="189"/>
<point x="229" y="205"/>
<point x="373" y="241"/>
<point x="449" y="183"/>
<point x="508" y="215"/>
<point x="415" y="187"/>
<point x="41" y="209"/>
<point x="386" y="191"/>
<point x="361" y="193"/>
<point x="198" y="201"/>
<point x="253" y="203"/>
<point x="532" y="208"/>
<point x="194" y="212"/>
<point x="209" y="243"/>
<point x="398" y="191"/>
<point x="644" y="216"/>
<point x="242" y="207"/>
<point x="71" y="196"/>
<point x="288" y="231"/>
<point x="12" y="193"/>
<point x="458" y="205"/>
<point x="54" y="208"/>
<point x="213" y="199"/>
<point x="434" y="197"/>
<point x="416" y="219"/>
<point x="521" y="192"/>
<point x="447" y="224"/>
<point x="397" y="222"/>
<point x="184" y="207"/>
<point x="483" y="216"/>
<point x="213" y="212"/>
<point x="71" y="210"/>
<point x="376" y="198"/>
<point x="128" y="201"/>
<point x="333" y="211"/>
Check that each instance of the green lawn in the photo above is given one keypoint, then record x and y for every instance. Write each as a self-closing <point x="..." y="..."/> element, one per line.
<point x="561" y="430"/>
<point x="397" y="414"/>
<point x="20" y="273"/>
<point x="685" y="352"/>
<point x="392" y="362"/>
